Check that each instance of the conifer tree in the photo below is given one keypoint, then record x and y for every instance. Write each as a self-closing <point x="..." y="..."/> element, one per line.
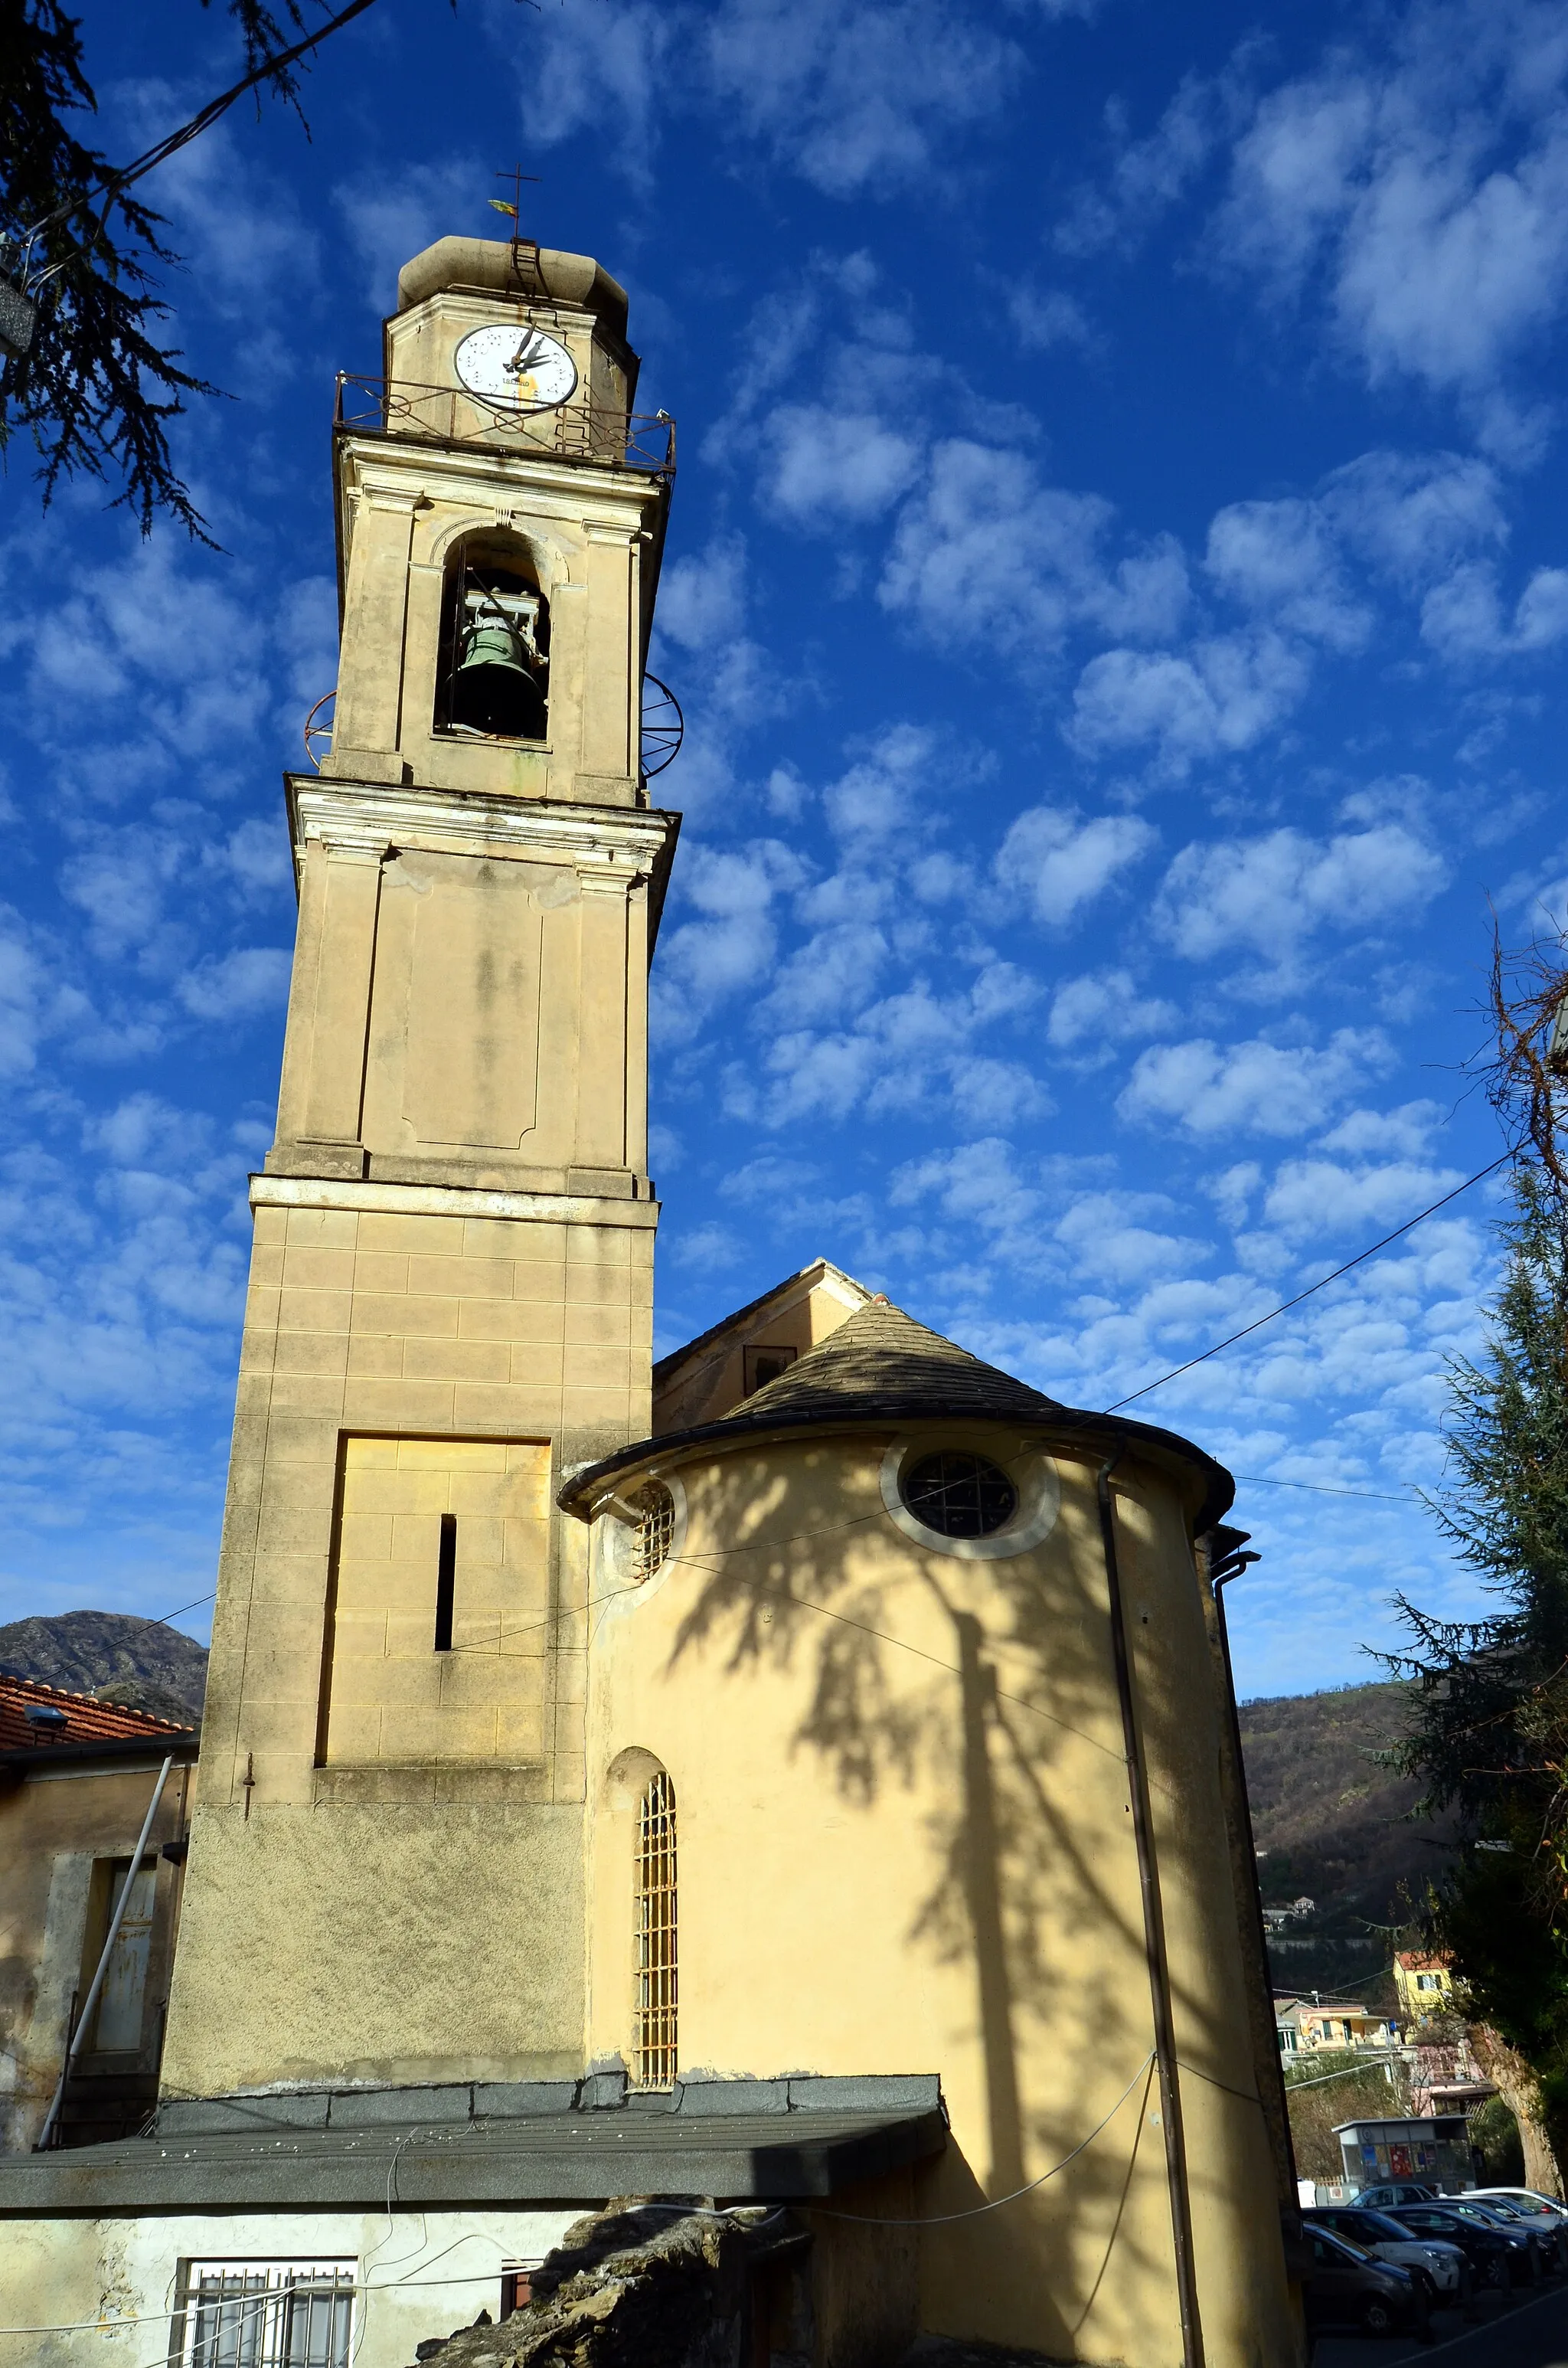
<point x="1489" y="1735"/>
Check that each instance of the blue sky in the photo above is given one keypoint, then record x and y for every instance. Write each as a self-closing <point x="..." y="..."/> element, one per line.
<point x="1119" y="590"/>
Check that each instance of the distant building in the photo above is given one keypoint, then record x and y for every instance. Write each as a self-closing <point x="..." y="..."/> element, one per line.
<point x="1424" y="1982"/>
<point x="1306" y="2025"/>
<point x="76" y="1779"/>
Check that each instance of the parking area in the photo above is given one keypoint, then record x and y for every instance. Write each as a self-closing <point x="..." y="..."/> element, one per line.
<point x="1529" y="2330"/>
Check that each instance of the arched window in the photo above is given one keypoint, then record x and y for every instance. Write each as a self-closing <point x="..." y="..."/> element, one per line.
<point x="657" y="1980"/>
<point x="655" y="1530"/>
<point x="492" y="679"/>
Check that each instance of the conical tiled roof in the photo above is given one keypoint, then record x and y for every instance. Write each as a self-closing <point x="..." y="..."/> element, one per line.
<point x="881" y="1366"/>
<point x="880" y="1362"/>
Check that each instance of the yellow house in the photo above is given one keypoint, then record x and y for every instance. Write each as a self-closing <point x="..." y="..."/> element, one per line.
<point x="1423" y="1983"/>
<point x="801" y="1774"/>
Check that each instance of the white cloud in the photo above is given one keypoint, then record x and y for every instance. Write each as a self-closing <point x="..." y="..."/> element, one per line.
<point x="850" y="97"/>
<point x="1060" y="863"/>
<point x="1323" y="1196"/>
<point x="1277" y="560"/>
<point x="1045" y="317"/>
<point x="1217" y="700"/>
<point x="1414" y="515"/>
<point x="732" y="948"/>
<point x="876" y="797"/>
<point x="394" y="217"/>
<point x="1148" y="177"/>
<point x="236" y="987"/>
<point x="854" y="95"/>
<point x="1426" y="192"/>
<point x="1105" y="1007"/>
<point x="1253" y="1087"/>
<point x="986" y="552"/>
<point x="1270" y="894"/>
<point x="1463" y="617"/>
<point x="702" y="596"/>
<point x="1406" y="1132"/>
<point x="829" y="468"/>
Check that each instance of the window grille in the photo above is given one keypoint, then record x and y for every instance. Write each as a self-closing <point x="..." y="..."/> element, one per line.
<point x="655" y="1532"/>
<point x="657" y="1980"/>
<point x="960" y="1495"/>
<point x="263" y="2314"/>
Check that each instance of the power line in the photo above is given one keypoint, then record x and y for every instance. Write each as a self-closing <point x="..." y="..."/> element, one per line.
<point x="1382" y="1496"/>
<point x="110" y="184"/>
<point x="1286" y="1305"/>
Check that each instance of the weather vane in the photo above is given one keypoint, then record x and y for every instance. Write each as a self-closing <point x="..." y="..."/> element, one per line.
<point x="514" y="206"/>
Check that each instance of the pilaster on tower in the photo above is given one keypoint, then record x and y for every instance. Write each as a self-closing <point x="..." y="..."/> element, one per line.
<point x="453" y="1276"/>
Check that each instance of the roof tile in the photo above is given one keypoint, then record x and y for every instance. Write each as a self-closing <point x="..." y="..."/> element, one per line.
<point x="87" y="1720"/>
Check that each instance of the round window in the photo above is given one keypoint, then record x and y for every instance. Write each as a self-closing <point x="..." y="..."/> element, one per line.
<point x="959" y="1495"/>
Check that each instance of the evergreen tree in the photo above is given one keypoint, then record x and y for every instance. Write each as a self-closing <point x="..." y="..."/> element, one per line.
<point x="1489" y="1736"/>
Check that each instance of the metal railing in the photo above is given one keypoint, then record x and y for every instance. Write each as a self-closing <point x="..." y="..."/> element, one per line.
<point x="579" y="430"/>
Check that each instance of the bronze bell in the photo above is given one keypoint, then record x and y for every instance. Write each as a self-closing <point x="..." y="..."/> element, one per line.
<point x="496" y="687"/>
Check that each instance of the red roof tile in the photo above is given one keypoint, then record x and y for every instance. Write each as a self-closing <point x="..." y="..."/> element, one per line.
<point x="86" y="1720"/>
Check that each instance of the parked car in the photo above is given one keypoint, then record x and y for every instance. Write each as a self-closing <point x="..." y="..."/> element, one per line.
<point x="1542" y="2212"/>
<point x="1541" y="2226"/>
<point x="1434" y="2262"/>
<point x="1529" y="2197"/>
<point x="1500" y="2255"/>
<point x="1346" y="2287"/>
<point x="1401" y="2190"/>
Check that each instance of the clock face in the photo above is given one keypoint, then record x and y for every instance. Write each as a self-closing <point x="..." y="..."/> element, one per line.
<point x="516" y="367"/>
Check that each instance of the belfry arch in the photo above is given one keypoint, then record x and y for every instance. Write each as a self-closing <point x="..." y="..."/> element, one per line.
<point x="493" y="660"/>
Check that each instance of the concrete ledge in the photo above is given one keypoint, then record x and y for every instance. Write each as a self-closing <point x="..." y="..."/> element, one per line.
<point x="446" y="1201"/>
<point x="556" y="2158"/>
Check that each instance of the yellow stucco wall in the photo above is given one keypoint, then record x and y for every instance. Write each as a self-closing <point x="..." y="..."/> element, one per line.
<point x="905" y="1845"/>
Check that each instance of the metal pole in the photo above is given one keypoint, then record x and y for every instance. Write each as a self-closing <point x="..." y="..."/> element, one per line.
<point x="1153" y="1937"/>
<point x="116" y="1920"/>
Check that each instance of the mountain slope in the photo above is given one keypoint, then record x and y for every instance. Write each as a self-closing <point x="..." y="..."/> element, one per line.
<point x="139" y="1662"/>
<point x="1334" y="1825"/>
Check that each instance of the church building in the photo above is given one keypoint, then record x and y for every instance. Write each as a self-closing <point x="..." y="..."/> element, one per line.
<point x="801" y="1774"/>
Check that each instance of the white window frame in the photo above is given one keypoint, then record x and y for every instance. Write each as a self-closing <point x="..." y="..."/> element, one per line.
<point x="255" y="2321"/>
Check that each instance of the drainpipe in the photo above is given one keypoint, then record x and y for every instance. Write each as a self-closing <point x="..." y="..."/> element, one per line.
<point x="1219" y="1580"/>
<point x="1153" y="1936"/>
<point x="85" y="2021"/>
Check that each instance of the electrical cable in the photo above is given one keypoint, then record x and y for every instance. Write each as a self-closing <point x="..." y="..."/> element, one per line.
<point x="242" y="2303"/>
<point x="109" y="185"/>
<point x="1285" y="1305"/>
<point x="945" y="2219"/>
<point x="858" y="1520"/>
<point x="1382" y="1496"/>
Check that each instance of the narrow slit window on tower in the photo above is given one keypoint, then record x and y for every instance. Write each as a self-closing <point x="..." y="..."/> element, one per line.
<point x="446" y="1582"/>
<point x="492" y="679"/>
<point x="657" y="1992"/>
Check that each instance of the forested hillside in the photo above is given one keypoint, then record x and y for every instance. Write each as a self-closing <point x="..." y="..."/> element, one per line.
<point x="1336" y="1826"/>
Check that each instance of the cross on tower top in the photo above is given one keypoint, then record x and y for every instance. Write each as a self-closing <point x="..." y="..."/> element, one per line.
<point x="514" y="207"/>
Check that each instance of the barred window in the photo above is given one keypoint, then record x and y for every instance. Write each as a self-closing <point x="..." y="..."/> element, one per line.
<point x="263" y="2314"/>
<point x="655" y="1533"/>
<point x="657" y="1980"/>
<point x="960" y="1495"/>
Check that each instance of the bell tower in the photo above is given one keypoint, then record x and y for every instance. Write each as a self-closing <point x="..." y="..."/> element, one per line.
<point x="450" y="1297"/>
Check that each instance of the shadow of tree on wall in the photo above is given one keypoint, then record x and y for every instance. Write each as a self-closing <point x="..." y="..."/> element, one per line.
<point x="986" y="1692"/>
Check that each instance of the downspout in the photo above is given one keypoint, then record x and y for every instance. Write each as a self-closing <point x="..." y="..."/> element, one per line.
<point x="85" y="2020"/>
<point x="1218" y="1580"/>
<point x="1154" y="1936"/>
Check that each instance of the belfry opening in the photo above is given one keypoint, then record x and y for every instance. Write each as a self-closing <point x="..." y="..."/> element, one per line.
<point x="492" y="679"/>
